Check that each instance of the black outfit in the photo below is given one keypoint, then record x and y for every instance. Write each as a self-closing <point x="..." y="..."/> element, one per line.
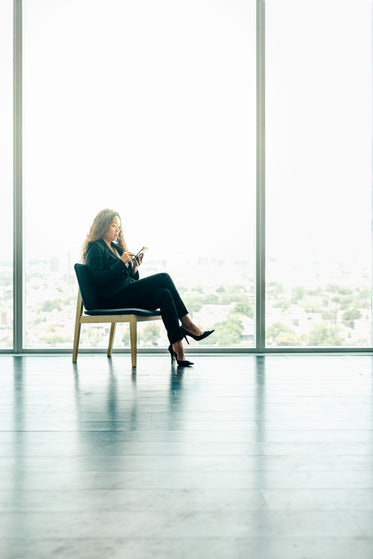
<point x="118" y="286"/>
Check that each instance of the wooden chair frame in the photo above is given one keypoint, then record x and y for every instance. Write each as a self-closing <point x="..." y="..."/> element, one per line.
<point x="113" y="319"/>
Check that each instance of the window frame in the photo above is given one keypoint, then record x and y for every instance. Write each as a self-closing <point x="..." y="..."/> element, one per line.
<point x="260" y="274"/>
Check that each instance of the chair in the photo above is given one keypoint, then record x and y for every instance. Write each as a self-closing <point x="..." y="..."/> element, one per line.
<point x="93" y="314"/>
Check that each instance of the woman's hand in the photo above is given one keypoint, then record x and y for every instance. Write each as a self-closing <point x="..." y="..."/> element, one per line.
<point x="137" y="261"/>
<point x="128" y="257"/>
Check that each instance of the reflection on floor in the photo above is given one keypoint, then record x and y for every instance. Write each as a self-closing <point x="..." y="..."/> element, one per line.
<point x="240" y="457"/>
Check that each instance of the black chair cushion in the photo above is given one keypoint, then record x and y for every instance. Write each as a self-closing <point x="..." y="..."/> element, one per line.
<point x="90" y="300"/>
<point x="140" y="312"/>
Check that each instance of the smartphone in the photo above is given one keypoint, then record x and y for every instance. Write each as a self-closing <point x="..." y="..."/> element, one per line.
<point x="141" y="251"/>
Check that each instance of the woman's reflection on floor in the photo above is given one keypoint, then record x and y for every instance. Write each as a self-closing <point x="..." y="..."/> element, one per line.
<point x="120" y="420"/>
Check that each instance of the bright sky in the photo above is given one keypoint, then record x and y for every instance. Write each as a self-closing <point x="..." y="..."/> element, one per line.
<point x="6" y="142"/>
<point x="319" y="129"/>
<point x="149" y="108"/>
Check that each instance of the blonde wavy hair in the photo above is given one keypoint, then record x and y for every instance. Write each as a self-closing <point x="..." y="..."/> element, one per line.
<point x="99" y="228"/>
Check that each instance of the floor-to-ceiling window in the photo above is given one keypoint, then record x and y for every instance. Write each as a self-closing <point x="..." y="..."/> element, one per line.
<point x="147" y="108"/>
<point x="318" y="172"/>
<point x="150" y="108"/>
<point x="6" y="175"/>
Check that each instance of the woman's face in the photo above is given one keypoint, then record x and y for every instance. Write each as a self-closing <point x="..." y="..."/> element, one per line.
<point x="113" y="231"/>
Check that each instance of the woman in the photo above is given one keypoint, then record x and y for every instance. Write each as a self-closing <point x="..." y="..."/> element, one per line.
<point x="114" y="271"/>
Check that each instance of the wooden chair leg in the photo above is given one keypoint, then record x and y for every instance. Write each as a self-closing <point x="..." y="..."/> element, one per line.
<point x="133" y="338"/>
<point x="76" y="341"/>
<point x="111" y="339"/>
<point x="79" y="310"/>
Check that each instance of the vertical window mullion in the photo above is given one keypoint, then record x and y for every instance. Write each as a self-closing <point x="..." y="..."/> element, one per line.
<point x="260" y="176"/>
<point x="17" y="178"/>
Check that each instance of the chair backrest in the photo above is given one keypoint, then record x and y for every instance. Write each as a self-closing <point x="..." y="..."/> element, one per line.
<point x="87" y="288"/>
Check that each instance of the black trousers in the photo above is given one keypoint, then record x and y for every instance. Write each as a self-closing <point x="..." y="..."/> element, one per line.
<point x="156" y="292"/>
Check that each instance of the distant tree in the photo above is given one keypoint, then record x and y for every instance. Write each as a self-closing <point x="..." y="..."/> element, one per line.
<point x="364" y="293"/>
<point x="343" y="290"/>
<point x="150" y="333"/>
<point x="363" y="298"/>
<point x="324" y="335"/>
<point x="318" y="291"/>
<point x="287" y="339"/>
<point x="283" y="304"/>
<point x="297" y="293"/>
<point x="274" y="289"/>
<point x="244" y="308"/>
<point x="232" y="294"/>
<point x="55" y="339"/>
<point x="311" y="303"/>
<point x="229" y="332"/>
<point x="349" y="316"/>
<point x="343" y="301"/>
<point x="330" y="314"/>
<point x="70" y="301"/>
<point x="192" y="302"/>
<point x="332" y="288"/>
<point x="211" y="299"/>
<point x="279" y="333"/>
<point x="48" y="306"/>
<point x="275" y="329"/>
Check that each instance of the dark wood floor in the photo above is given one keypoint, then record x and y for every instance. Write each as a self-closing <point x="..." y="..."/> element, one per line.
<point x="240" y="457"/>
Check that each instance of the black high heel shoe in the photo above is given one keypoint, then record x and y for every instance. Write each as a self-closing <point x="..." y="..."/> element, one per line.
<point x="180" y="363"/>
<point x="194" y="336"/>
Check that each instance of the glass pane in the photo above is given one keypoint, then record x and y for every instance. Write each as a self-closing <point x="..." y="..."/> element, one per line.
<point x="6" y="175"/>
<point x="147" y="108"/>
<point x="319" y="172"/>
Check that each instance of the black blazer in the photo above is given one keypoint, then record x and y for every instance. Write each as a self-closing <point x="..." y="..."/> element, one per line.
<point x="109" y="274"/>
